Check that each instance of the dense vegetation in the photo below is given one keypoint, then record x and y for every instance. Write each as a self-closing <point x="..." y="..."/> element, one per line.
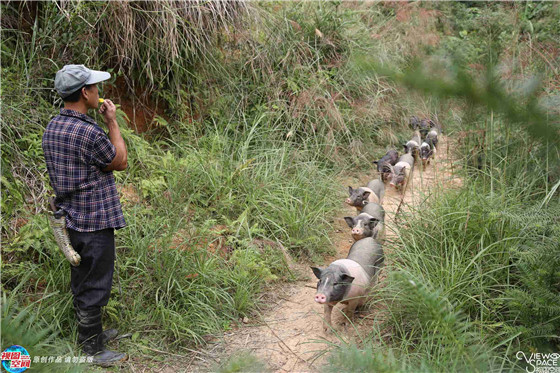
<point x="258" y="108"/>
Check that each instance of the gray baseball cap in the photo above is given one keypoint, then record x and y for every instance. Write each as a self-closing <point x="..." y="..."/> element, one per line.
<point x="71" y="78"/>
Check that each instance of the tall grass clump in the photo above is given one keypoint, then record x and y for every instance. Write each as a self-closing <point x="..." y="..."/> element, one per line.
<point x="299" y="77"/>
<point x="21" y="326"/>
<point x="437" y="336"/>
<point x="155" y="44"/>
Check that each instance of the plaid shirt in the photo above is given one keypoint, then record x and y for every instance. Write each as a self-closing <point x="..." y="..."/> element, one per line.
<point x="76" y="150"/>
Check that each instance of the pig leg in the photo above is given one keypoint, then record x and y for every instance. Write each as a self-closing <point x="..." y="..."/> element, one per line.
<point x="327" y="323"/>
<point x="351" y="309"/>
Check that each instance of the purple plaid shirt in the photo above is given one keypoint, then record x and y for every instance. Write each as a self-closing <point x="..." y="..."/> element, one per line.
<point x="76" y="150"/>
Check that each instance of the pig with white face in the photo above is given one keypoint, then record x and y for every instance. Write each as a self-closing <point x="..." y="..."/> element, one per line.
<point x="413" y="145"/>
<point x="359" y="197"/>
<point x="428" y="147"/>
<point x="370" y="223"/>
<point x="400" y="173"/>
<point x="349" y="280"/>
<point x="427" y="151"/>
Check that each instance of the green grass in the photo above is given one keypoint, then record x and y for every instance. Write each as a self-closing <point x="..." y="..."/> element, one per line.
<point x="474" y="277"/>
<point x="261" y="115"/>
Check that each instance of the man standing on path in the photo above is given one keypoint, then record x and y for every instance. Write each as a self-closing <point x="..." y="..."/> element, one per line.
<point x="80" y="161"/>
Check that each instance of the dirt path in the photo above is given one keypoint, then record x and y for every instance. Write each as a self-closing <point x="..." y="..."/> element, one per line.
<point x="288" y="337"/>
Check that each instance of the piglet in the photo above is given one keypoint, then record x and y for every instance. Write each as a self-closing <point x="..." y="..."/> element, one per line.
<point x="427" y="152"/>
<point x="359" y="197"/>
<point x="370" y="223"/>
<point x="389" y="159"/>
<point x="400" y="173"/>
<point x="432" y="137"/>
<point x="349" y="280"/>
<point x="413" y="145"/>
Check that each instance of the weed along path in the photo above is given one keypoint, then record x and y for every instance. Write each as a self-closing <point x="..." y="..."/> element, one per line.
<point x="288" y="336"/>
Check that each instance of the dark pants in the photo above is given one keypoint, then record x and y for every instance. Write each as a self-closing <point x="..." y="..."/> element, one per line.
<point x="91" y="281"/>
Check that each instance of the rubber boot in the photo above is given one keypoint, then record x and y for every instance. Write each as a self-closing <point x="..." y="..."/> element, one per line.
<point x="108" y="335"/>
<point x="92" y="340"/>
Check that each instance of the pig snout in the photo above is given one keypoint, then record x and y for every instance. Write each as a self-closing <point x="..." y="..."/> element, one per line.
<point x="321" y="298"/>
<point x="348" y="201"/>
<point x="357" y="231"/>
<point x="357" y="234"/>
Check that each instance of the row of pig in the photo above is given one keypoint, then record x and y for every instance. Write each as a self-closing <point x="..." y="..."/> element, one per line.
<point x="349" y="280"/>
<point x="396" y="169"/>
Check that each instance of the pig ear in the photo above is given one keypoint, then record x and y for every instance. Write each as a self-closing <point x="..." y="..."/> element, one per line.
<point x="404" y="146"/>
<point x="350" y="190"/>
<point x="346" y="279"/>
<point x="366" y="194"/>
<point x="349" y="221"/>
<point x="372" y="223"/>
<point x="317" y="271"/>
